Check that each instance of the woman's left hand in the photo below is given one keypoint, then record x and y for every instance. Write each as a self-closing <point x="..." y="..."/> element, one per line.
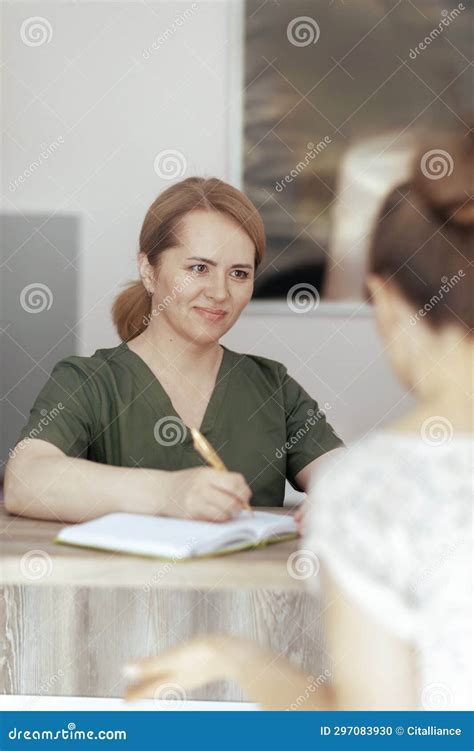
<point x="300" y="515"/>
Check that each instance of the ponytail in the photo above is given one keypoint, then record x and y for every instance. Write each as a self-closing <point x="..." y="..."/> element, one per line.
<point x="131" y="311"/>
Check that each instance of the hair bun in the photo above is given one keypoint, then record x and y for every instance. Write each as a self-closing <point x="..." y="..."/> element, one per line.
<point x="443" y="176"/>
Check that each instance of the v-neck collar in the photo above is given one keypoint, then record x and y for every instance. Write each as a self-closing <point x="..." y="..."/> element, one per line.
<point x="154" y="392"/>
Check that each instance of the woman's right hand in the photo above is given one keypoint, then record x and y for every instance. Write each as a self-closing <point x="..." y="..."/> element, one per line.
<point x="205" y="493"/>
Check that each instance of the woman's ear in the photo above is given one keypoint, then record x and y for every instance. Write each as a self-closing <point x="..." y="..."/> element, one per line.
<point x="392" y="311"/>
<point x="374" y="285"/>
<point x="384" y="300"/>
<point x="145" y="271"/>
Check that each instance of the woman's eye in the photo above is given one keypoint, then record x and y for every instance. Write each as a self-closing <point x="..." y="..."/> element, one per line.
<point x="200" y="268"/>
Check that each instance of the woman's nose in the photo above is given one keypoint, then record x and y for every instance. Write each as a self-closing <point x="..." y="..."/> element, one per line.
<point x="217" y="288"/>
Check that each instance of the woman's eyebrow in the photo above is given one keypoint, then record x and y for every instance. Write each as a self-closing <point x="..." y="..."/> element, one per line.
<point x="213" y="263"/>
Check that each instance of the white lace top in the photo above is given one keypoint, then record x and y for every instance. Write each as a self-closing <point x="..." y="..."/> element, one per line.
<point x="392" y="521"/>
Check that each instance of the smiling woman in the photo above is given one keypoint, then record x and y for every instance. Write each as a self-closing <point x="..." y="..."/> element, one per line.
<point x="121" y="440"/>
<point x="181" y="226"/>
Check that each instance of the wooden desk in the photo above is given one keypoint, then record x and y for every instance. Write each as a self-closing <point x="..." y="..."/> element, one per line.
<point x="71" y="617"/>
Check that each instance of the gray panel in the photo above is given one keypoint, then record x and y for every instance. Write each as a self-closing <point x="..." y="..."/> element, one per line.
<point x="38" y="307"/>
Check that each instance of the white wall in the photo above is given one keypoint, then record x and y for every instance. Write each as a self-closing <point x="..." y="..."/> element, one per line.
<point x="100" y="102"/>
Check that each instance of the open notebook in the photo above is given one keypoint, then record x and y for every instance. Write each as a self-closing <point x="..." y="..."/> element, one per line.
<point x="164" y="537"/>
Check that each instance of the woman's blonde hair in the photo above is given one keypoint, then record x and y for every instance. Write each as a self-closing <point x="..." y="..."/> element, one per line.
<point x="132" y="307"/>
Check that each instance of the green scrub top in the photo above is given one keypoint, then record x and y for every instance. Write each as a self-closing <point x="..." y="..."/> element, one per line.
<point x="111" y="408"/>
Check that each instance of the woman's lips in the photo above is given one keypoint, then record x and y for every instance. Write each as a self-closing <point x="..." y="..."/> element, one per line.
<point x="211" y="314"/>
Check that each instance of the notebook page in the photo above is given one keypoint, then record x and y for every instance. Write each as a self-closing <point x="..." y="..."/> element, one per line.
<point x="170" y="537"/>
<point x="137" y="533"/>
<point x="247" y="527"/>
<point x="267" y="525"/>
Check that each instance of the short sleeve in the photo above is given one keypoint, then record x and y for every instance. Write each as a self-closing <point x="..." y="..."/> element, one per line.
<point x="63" y="413"/>
<point x="308" y="433"/>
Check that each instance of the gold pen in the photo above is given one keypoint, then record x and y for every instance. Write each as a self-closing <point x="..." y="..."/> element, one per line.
<point x="204" y="448"/>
